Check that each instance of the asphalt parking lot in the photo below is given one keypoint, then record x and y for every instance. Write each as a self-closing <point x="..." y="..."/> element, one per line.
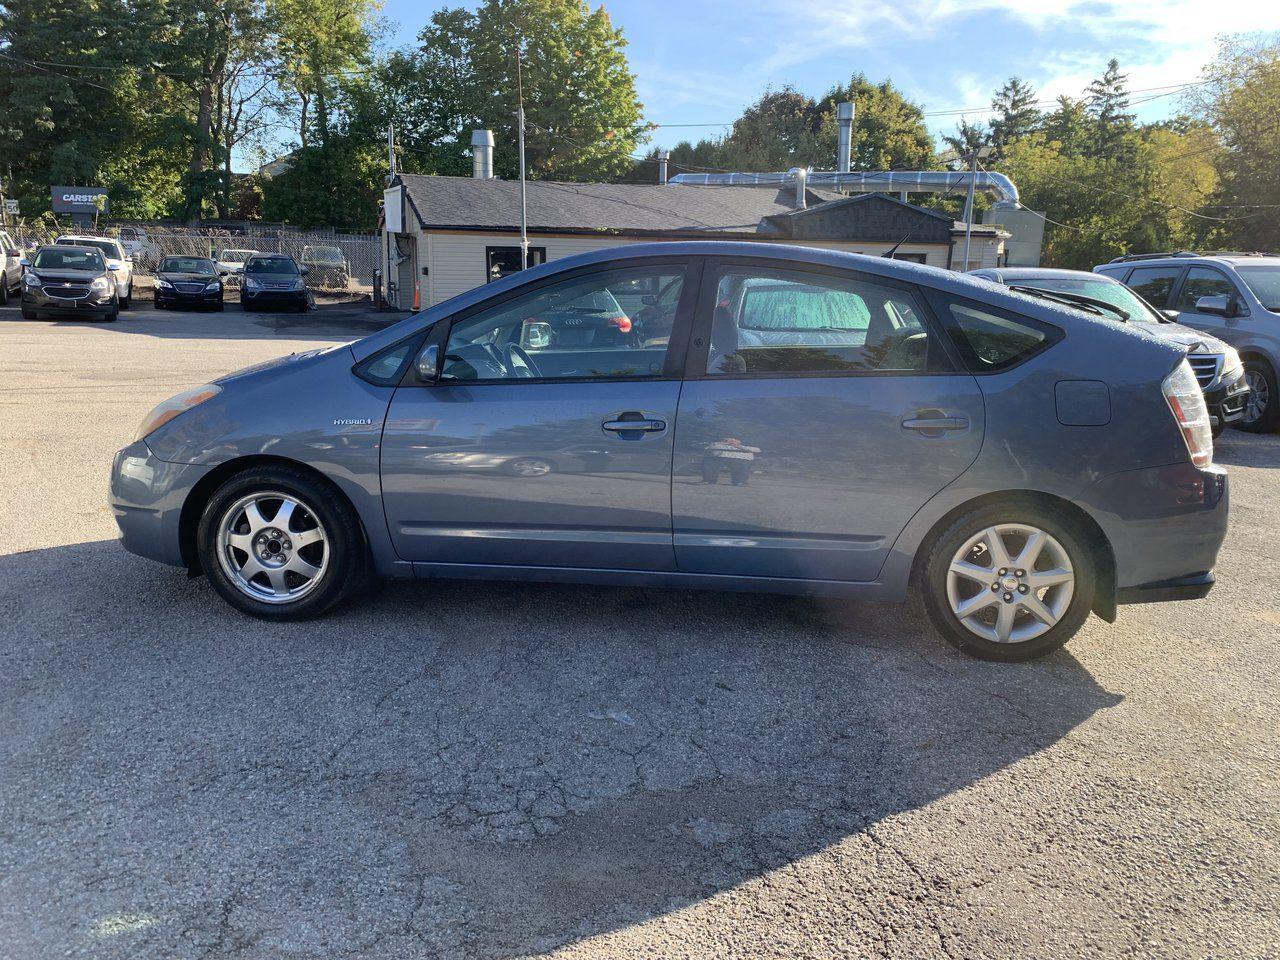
<point x="476" y="770"/>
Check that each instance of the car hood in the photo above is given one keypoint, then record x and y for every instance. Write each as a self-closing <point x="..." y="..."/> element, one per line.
<point x="173" y="276"/>
<point x="1193" y="341"/>
<point x="80" y="276"/>
<point x="278" y="362"/>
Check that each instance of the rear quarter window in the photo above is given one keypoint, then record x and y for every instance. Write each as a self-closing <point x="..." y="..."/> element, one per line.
<point x="988" y="338"/>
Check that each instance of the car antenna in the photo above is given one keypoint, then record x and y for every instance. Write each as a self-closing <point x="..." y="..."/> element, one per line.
<point x="894" y="249"/>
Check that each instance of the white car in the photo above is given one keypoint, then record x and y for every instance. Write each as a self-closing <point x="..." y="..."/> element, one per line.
<point x="119" y="263"/>
<point x="233" y="261"/>
<point x="10" y="267"/>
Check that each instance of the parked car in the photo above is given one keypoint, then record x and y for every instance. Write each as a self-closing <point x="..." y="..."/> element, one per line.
<point x="1235" y="297"/>
<point x="1021" y="462"/>
<point x="66" y="281"/>
<point x="1217" y="366"/>
<point x="118" y="262"/>
<point x="273" y="280"/>
<point x="190" y="282"/>
<point x="10" y="267"/>
<point x="232" y="262"/>
<point x="328" y="266"/>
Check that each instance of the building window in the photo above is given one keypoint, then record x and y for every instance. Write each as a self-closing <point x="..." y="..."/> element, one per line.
<point x="503" y="261"/>
<point x="910" y="257"/>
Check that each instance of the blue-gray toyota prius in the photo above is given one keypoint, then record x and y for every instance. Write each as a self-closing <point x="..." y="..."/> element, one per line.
<point x="728" y="415"/>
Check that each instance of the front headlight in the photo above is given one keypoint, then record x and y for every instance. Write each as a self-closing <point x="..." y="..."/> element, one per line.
<point x="212" y="287"/>
<point x="251" y="284"/>
<point x="100" y="283"/>
<point x="174" y="406"/>
<point x="1231" y="364"/>
<point x="163" y="284"/>
<point x="31" y="280"/>
<point x="299" y="284"/>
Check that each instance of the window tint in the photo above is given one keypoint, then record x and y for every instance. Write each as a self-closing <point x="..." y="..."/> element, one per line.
<point x="780" y="321"/>
<point x="993" y="340"/>
<point x="1154" y="284"/>
<point x="1117" y="271"/>
<point x="600" y="325"/>
<point x="1204" y="282"/>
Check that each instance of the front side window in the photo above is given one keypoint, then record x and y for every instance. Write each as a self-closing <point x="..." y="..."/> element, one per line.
<point x="587" y="327"/>
<point x="782" y="321"/>
<point x="1154" y="284"/>
<point x="1204" y="282"/>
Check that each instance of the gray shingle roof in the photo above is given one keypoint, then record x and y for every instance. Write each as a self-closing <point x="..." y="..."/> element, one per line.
<point x="460" y="202"/>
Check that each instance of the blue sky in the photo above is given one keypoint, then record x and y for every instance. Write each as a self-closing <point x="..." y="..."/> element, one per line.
<point x="702" y="61"/>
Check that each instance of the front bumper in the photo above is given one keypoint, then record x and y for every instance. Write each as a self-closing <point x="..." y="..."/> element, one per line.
<point x="1165" y="526"/>
<point x="1226" y="400"/>
<point x="274" y="298"/>
<point x="97" y="302"/>
<point x="171" y="295"/>
<point x="146" y="496"/>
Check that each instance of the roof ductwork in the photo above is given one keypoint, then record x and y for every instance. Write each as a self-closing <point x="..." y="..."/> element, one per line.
<point x="482" y="154"/>
<point x="996" y="185"/>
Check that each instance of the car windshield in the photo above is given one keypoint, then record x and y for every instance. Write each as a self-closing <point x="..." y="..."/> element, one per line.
<point x="322" y="255"/>
<point x="1116" y="294"/>
<point x="271" y="265"/>
<point x="69" y="258"/>
<point x="109" y="247"/>
<point x="1264" y="281"/>
<point x="186" y="265"/>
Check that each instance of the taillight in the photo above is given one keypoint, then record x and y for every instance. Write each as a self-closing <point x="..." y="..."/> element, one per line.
<point x="622" y="323"/>
<point x="1186" y="401"/>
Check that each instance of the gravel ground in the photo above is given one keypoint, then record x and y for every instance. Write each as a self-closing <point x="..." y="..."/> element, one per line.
<point x="477" y="770"/>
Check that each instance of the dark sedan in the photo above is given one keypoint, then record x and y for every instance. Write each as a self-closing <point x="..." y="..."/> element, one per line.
<point x="188" y="282"/>
<point x="66" y="281"/>
<point x="273" y="280"/>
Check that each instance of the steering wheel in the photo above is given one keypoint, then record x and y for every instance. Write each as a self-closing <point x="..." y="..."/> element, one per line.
<point x="520" y="363"/>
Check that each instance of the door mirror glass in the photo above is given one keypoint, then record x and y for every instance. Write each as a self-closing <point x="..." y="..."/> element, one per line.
<point x="1219" y="304"/>
<point x="1171" y="315"/>
<point x="427" y="365"/>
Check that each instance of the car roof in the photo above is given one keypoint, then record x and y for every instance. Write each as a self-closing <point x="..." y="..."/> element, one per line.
<point x="1014" y="274"/>
<point x="69" y="238"/>
<point x="1186" y="259"/>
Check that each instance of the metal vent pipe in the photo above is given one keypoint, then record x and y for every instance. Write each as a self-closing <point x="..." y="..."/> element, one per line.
<point x="663" y="157"/>
<point x="844" y="116"/>
<point x="996" y="185"/>
<point x="482" y="154"/>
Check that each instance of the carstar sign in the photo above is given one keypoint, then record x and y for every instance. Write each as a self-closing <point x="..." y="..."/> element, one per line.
<point x="77" y="199"/>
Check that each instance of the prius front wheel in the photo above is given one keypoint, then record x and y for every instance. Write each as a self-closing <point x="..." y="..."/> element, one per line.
<point x="1009" y="583"/>
<point x="279" y="544"/>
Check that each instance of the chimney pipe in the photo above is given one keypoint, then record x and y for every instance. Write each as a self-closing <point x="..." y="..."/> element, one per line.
<point x="663" y="157"/>
<point x="482" y="154"/>
<point x="802" y="175"/>
<point x="844" y="116"/>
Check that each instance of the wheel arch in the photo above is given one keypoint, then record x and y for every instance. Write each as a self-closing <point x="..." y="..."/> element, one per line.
<point x="1104" y="602"/>
<point x="203" y="490"/>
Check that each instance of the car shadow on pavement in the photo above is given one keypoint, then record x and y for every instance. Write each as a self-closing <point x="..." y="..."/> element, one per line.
<point x="468" y="769"/>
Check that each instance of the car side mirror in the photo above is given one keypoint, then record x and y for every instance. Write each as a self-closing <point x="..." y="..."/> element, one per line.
<point x="1218" y="304"/>
<point x="305" y="271"/>
<point x="648" y="300"/>
<point x="427" y="366"/>
<point x="1171" y="315"/>
<point x="24" y="262"/>
<point x="222" y="274"/>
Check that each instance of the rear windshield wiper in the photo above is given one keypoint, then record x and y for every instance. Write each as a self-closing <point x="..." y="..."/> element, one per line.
<point x="1076" y="300"/>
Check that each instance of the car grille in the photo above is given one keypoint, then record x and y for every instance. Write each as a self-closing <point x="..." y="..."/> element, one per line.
<point x="66" y="291"/>
<point x="189" y="287"/>
<point x="1206" y="367"/>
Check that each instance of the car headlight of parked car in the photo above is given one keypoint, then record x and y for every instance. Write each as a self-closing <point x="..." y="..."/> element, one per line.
<point x="1231" y="365"/>
<point x="299" y="284"/>
<point x="32" y="280"/>
<point x="100" y="283"/>
<point x="251" y="284"/>
<point x="175" y="406"/>
<point x="212" y="287"/>
<point x="163" y="284"/>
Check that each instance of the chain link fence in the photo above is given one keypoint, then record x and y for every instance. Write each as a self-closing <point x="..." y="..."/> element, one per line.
<point x="335" y="261"/>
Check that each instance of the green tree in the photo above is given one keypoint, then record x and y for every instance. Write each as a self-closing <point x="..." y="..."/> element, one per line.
<point x="1108" y="105"/>
<point x="967" y="138"/>
<point x="1069" y="126"/>
<point x="1016" y="114"/>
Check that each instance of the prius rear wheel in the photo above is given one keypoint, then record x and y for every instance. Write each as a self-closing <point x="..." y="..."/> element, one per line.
<point x="1009" y="582"/>
<point x="279" y="544"/>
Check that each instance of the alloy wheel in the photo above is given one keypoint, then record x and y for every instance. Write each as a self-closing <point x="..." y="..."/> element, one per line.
<point x="1010" y="583"/>
<point x="272" y="547"/>
<point x="1256" y="404"/>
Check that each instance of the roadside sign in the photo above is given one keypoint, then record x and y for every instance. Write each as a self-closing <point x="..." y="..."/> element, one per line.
<point x="11" y="206"/>
<point x="78" y="199"/>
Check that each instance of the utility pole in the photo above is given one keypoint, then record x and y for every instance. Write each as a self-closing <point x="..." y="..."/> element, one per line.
<point x="974" y="155"/>
<point x="391" y="151"/>
<point x="524" y="214"/>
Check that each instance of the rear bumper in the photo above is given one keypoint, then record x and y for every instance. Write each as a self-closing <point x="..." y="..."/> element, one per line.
<point x="1193" y="587"/>
<point x="1165" y="526"/>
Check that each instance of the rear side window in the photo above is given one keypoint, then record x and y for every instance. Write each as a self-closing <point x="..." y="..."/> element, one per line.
<point x="990" y="339"/>
<point x="1154" y="284"/>
<point x="1116" y="273"/>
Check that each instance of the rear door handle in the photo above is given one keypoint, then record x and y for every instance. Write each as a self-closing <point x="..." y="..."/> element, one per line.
<point x="935" y="426"/>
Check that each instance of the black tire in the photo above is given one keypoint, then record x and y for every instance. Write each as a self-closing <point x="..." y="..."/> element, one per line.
<point x="4" y="290"/>
<point x="29" y="314"/>
<point x="113" y="314"/>
<point x="348" y="570"/>
<point x="127" y="302"/>
<point x="934" y="574"/>
<point x="159" y="304"/>
<point x="219" y="306"/>
<point x="1268" y="421"/>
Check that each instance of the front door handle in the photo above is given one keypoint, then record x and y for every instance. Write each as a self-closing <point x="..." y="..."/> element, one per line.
<point x="934" y="425"/>
<point x="632" y="425"/>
